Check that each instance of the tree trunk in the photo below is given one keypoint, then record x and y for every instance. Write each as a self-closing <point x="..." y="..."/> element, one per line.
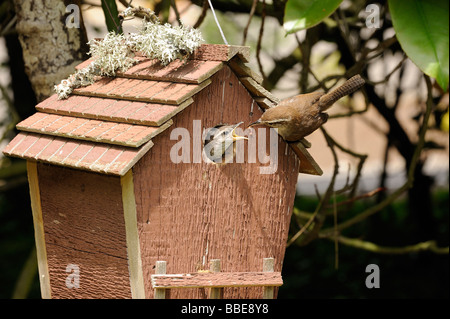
<point x="51" y="50"/>
<point x="23" y="94"/>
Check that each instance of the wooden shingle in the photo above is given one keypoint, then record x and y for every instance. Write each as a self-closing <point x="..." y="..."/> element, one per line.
<point x="91" y="130"/>
<point x="96" y="157"/>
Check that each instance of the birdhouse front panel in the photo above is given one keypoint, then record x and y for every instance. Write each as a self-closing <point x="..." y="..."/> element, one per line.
<point x="189" y="213"/>
<point x="84" y="233"/>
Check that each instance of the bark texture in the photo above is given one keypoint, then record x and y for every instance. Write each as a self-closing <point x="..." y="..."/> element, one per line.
<point x="51" y="50"/>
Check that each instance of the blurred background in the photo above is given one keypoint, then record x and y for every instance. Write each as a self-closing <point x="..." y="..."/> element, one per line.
<point x="373" y="135"/>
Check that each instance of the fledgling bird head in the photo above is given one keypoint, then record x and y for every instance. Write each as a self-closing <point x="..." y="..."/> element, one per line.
<point x="220" y="142"/>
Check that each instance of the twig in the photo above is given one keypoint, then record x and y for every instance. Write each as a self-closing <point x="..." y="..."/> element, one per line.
<point x="305" y="50"/>
<point x="376" y="52"/>
<point x="301" y="214"/>
<point x="356" y="198"/>
<point x="143" y="13"/>
<point x="126" y="4"/>
<point x="344" y="30"/>
<point x="350" y="113"/>
<point x="362" y="159"/>
<point x="202" y="15"/>
<point x="280" y="67"/>
<point x="389" y="75"/>
<point x="250" y="16"/>
<point x="306" y="65"/>
<point x="384" y="173"/>
<point x="336" y="244"/>
<point x="90" y="4"/>
<point x="302" y="230"/>
<point x="9" y="26"/>
<point x="258" y="46"/>
<point x="369" y="246"/>
<point x="177" y="13"/>
<point x="380" y="48"/>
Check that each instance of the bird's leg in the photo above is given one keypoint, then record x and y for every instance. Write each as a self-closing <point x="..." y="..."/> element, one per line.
<point x="305" y="143"/>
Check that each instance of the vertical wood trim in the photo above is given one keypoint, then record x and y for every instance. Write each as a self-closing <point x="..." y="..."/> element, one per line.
<point x="39" y="235"/>
<point x="133" y="244"/>
<point x="215" y="293"/>
<point x="268" y="266"/>
<point x="161" y="268"/>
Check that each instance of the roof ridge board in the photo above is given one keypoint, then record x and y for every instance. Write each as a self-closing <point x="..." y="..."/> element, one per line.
<point x="221" y="52"/>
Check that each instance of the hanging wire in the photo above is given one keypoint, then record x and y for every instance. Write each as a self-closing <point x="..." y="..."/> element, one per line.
<point x="217" y="22"/>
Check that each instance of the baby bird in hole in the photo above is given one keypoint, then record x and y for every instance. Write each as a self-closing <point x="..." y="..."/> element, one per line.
<point x="219" y="144"/>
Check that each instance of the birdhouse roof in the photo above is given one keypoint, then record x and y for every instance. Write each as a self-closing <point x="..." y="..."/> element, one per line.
<point x="108" y="126"/>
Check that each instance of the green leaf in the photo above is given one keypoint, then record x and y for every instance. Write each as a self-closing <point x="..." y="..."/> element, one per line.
<point x="422" y="31"/>
<point x="304" y="14"/>
<point x="111" y="16"/>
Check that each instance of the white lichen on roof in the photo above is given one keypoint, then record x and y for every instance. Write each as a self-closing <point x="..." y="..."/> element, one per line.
<point x="116" y="52"/>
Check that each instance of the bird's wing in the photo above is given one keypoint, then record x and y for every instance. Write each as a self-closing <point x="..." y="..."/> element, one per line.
<point x="302" y="102"/>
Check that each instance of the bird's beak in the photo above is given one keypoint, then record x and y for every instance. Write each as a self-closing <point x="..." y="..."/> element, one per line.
<point x="238" y="137"/>
<point x="255" y="123"/>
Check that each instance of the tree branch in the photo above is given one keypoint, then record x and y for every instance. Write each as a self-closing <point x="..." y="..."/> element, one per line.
<point x="276" y="9"/>
<point x="250" y="16"/>
<point x="258" y="46"/>
<point x="366" y="195"/>
<point x="369" y="246"/>
<point x="281" y="66"/>
<point x="202" y="16"/>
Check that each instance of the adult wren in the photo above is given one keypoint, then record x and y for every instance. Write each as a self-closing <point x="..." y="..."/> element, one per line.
<point x="299" y="116"/>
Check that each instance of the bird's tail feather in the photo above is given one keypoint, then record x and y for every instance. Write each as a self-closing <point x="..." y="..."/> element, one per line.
<point x="350" y="86"/>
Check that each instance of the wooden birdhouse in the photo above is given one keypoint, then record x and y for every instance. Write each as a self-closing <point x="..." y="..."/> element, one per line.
<point x="109" y="201"/>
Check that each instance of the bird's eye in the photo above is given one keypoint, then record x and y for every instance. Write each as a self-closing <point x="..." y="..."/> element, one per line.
<point x="224" y="133"/>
